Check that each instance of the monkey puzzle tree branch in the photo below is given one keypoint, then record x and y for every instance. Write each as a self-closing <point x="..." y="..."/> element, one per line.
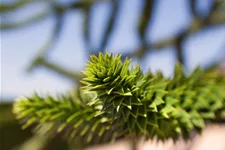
<point x="40" y="61"/>
<point x="125" y="102"/>
<point x="66" y="114"/>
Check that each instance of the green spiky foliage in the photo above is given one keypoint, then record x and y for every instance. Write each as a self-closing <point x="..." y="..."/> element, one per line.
<point x="123" y="101"/>
<point x="66" y="114"/>
<point x="152" y="104"/>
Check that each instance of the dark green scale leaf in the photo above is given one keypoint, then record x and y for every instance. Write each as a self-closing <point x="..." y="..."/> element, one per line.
<point x="117" y="103"/>
<point x="152" y="120"/>
<point x="142" y="123"/>
<point x="131" y="123"/>
<point x="136" y="101"/>
<point x="142" y="111"/>
<point x="127" y="102"/>
<point x="125" y="112"/>
<point x="134" y="111"/>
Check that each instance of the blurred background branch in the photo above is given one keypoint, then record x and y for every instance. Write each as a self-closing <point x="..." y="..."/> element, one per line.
<point x="15" y="5"/>
<point x="216" y="17"/>
<point x="110" y="25"/>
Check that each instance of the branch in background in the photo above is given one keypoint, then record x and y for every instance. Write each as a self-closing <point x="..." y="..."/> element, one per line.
<point x="157" y="46"/>
<point x="21" y="3"/>
<point x="59" y="14"/>
<point x="179" y="48"/>
<point x="193" y="8"/>
<point x="197" y="25"/>
<point x="145" y="19"/>
<point x="143" y="24"/>
<point x="87" y="28"/>
<point x="59" y="11"/>
<point x="213" y="20"/>
<point x="34" y="19"/>
<point x="215" y="17"/>
<point x="18" y="4"/>
<point x="40" y="61"/>
<point x="84" y="3"/>
<point x="27" y="22"/>
<point x="110" y="25"/>
<point x="179" y="40"/>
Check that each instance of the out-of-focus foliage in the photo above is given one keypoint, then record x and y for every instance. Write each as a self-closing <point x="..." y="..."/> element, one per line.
<point x="12" y="137"/>
<point x="68" y="115"/>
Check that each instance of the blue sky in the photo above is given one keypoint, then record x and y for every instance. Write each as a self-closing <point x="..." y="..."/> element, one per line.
<point x="18" y="47"/>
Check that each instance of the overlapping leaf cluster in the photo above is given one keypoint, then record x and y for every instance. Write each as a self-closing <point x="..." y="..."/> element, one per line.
<point x="120" y="101"/>
<point x="152" y="104"/>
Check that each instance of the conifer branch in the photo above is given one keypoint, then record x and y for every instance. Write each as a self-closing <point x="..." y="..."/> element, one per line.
<point x="120" y="101"/>
<point x="151" y="104"/>
<point x="66" y="115"/>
